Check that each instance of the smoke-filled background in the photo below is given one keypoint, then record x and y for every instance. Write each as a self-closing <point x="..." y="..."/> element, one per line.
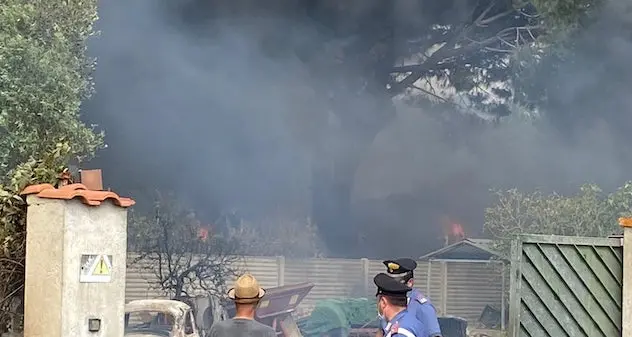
<point x="223" y="108"/>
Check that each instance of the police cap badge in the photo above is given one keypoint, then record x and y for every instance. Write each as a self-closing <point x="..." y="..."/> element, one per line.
<point x="389" y="286"/>
<point x="400" y="266"/>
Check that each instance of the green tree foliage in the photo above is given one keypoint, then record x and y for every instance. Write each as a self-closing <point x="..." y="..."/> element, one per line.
<point x="590" y="212"/>
<point x="44" y="76"/>
<point x="555" y="54"/>
<point x="566" y="14"/>
<point x="184" y="256"/>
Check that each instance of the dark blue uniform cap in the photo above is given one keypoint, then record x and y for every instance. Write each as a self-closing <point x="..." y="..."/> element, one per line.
<point x="389" y="286"/>
<point x="400" y="266"/>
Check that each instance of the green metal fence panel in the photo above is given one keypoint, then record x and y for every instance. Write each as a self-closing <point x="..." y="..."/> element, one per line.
<point x="566" y="286"/>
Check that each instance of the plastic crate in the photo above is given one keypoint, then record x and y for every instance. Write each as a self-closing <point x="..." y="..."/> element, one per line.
<point x="453" y="326"/>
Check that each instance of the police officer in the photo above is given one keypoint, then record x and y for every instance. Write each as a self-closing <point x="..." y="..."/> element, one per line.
<point x="391" y="306"/>
<point x="402" y="270"/>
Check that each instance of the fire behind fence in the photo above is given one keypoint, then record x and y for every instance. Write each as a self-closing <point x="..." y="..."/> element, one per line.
<point x="456" y="288"/>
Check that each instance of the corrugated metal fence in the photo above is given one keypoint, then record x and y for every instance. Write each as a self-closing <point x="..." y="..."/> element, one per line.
<point x="566" y="286"/>
<point x="460" y="289"/>
<point x="472" y="286"/>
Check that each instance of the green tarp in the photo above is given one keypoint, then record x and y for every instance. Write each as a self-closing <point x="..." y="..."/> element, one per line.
<point x="341" y="314"/>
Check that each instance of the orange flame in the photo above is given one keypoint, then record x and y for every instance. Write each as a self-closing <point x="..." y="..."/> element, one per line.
<point x="457" y="232"/>
<point x="453" y="231"/>
<point x="203" y="234"/>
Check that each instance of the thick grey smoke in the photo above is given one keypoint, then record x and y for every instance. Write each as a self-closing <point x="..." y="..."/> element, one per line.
<point x="227" y="126"/>
<point x="581" y="138"/>
<point x="205" y="117"/>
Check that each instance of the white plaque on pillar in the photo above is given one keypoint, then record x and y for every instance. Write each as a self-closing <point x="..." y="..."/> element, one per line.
<point x="96" y="269"/>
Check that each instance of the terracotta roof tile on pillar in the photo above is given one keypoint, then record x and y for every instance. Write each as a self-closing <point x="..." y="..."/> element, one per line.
<point x="92" y="179"/>
<point x="68" y="192"/>
<point x="625" y="222"/>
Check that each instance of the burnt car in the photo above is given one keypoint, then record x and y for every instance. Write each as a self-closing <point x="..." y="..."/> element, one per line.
<point x="152" y="318"/>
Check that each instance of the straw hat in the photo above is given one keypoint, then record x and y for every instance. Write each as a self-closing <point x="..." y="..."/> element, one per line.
<point x="246" y="290"/>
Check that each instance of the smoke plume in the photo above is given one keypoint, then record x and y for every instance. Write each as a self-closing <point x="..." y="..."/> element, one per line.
<point x="226" y="117"/>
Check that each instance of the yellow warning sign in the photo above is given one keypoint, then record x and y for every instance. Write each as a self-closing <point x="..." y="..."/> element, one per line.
<point x="101" y="268"/>
<point x="96" y="268"/>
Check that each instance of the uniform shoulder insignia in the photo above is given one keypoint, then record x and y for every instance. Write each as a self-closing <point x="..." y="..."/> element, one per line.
<point x="394" y="328"/>
<point x="421" y="298"/>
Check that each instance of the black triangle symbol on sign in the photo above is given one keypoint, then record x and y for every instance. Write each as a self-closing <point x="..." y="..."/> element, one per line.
<point x="101" y="268"/>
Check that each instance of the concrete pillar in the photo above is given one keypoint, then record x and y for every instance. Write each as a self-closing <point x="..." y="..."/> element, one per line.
<point x="626" y="314"/>
<point x="366" y="277"/>
<point x="76" y="253"/>
<point x="280" y="263"/>
<point x="444" y="288"/>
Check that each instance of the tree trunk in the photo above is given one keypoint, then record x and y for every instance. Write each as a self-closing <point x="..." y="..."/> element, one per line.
<point x="352" y="80"/>
<point x="331" y="210"/>
<point x="360" y="119"/>
<point x="179" y="289"/>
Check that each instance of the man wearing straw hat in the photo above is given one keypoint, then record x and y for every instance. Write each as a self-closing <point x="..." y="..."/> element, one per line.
<point x="246" y="294"/>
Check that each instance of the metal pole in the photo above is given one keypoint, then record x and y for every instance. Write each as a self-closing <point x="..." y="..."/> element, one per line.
<point x="428" y="278"/>
<point x="502" y="300"/>
<point x="626" y="307"/>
